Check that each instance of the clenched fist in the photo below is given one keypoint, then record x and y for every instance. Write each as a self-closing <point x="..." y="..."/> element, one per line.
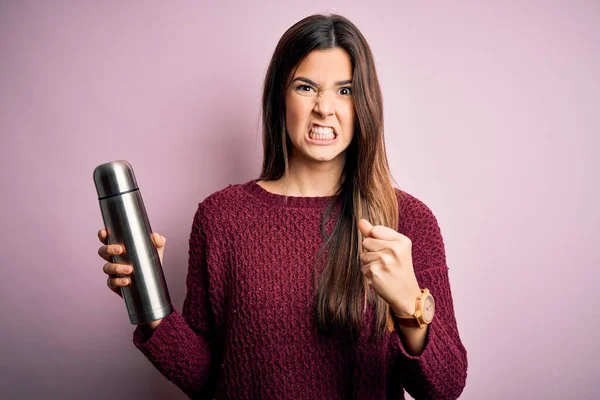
<point x="387" y="264"/>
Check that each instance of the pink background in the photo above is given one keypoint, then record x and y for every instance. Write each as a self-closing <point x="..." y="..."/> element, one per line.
<point x="491" y="119"/>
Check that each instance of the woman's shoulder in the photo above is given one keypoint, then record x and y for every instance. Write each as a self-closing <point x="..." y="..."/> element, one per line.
<point x="225" y="203"/>
<point x="227" y="197"/>
<point x="414" y="212"/>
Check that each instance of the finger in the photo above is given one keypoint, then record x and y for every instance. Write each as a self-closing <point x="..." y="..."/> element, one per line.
<point x="365" y="227"/>
<point x="370" y="244"/>
<point x="384" y="260"/>
<point x="109" y="283"/>
<point x="115" y="283"/>
<point x="115" y="269"/>
<point x="102" y="235"/>
<point x="367" y="257"/>
<point x="158" y="240"/>
<point x="369" y="270"/>
<point x="108" y="251"/>
<point x="122" y="282"/>
<point x="384" y="233"/>
<point x="365" y="270"/>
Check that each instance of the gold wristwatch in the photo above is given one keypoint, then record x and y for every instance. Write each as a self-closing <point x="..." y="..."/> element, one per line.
<point x="424" y="310"/>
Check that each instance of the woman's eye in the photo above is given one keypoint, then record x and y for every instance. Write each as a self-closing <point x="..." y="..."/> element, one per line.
<point x="346" y="91"/>
<point x="304" y="88"/>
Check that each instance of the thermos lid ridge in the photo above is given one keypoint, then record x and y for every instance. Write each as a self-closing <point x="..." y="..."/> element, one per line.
<point x="114" y="178"/>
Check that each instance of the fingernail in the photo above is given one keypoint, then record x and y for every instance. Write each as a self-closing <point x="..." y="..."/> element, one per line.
<point x="117" y="250"/>
<point x="124" y="281"/>
<point x="127" y="270"/>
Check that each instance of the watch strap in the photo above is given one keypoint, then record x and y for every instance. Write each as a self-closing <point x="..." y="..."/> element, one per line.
<point x="414" y="321"/>
<point x="410" y="322"/>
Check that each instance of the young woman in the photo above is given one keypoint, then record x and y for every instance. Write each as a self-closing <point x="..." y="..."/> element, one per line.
<point x="320" y="280"/>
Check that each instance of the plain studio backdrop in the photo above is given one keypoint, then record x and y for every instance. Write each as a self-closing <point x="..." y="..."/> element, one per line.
<point x="491" y="118"/>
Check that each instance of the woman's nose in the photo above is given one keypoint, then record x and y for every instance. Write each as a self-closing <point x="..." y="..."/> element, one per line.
<point x="324" y="105"/>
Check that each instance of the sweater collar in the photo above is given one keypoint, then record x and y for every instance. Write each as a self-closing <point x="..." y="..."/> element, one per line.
<point x="280" y="200"/>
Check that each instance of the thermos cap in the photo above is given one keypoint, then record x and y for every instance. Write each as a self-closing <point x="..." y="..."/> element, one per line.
<point x="114" y="178"/>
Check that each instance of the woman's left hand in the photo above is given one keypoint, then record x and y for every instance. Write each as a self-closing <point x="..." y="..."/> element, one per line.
<point x="387" y="263"/>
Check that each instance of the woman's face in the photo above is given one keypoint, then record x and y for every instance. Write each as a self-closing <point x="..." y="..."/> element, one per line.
<point x="319" y="107"/>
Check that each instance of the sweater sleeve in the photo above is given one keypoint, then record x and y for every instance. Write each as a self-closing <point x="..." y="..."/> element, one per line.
<point x="440" y="371"/>
<point x="182" y="347"/>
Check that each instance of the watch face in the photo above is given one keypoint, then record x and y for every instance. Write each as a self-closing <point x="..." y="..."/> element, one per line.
<point x="428" y="309"/>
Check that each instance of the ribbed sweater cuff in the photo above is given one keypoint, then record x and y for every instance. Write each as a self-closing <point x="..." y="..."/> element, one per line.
<point x="430" y="349"/>
<point x="161" y="337"/>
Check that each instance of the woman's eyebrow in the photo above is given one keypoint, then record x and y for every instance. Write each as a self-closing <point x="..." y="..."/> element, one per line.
<point x="306" y="80"/>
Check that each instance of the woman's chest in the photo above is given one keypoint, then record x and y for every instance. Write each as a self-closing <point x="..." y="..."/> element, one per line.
<point x="270" y="270"/>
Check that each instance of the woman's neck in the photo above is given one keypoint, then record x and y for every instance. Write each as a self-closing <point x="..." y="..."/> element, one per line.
<point x="310" y="179"/>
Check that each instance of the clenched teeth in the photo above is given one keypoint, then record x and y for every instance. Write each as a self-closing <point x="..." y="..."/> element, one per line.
<point x="321" y="133"/>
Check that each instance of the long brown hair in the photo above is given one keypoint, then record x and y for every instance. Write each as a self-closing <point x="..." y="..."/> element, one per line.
<point x="366" y="190"/>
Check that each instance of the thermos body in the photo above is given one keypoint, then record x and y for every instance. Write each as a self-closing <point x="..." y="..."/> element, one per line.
<point x="126" y="221"/>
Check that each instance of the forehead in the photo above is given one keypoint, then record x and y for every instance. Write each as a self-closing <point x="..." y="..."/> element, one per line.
<point x="326" y="65"/>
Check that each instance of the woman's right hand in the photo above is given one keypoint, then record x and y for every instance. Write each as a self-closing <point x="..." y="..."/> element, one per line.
<point x="118" y="274"/>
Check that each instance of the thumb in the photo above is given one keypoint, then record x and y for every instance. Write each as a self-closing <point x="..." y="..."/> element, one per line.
<point x="158" y="240"/>
<point x="365" y="227"/>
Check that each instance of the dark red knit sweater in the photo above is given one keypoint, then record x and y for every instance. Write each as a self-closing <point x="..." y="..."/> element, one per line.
<point x="248" y="329"/>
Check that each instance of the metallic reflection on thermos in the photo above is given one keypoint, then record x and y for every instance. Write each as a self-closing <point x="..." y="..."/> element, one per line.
<point x="147" y="296"/>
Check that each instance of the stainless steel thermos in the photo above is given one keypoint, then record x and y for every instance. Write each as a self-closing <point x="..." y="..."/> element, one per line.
<point x="146" y="297"/>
